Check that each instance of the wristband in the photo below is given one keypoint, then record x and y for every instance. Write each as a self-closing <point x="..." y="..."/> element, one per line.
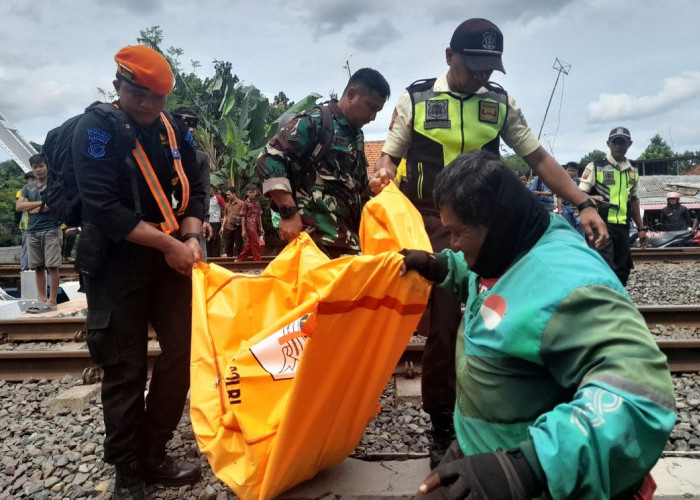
<point x="288" y="211"/>
<point x="187" y="236"/>
<point x="588" y="203"/>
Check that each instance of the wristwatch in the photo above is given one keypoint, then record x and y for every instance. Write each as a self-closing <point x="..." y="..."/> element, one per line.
<point x="288" y="211"/>
<point x="187" y="236"/>
<point x="588" y="203"/>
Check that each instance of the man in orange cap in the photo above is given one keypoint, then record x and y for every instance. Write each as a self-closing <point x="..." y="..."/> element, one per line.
<point x="135" y="257"/>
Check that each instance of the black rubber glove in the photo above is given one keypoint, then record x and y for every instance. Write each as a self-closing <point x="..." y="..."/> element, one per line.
<point x="429" y="265"/>
<point x="492" y="476"/>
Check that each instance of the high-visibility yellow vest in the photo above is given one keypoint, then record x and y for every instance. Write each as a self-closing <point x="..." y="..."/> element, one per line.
<point x="446" y="125"/>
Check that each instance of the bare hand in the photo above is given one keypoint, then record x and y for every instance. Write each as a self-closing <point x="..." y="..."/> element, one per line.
<point x="643" y="238"/>
<point x="182" y="256"/>
<point x="380" y="180"/>
<point x="207" y="231"/>
<point x="290" y="228"/>
<point x="430" y="483"/>
<point x="596" y="231"/>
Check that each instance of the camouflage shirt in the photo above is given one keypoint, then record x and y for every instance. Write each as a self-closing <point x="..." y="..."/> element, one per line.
<point x="328" y="190"/>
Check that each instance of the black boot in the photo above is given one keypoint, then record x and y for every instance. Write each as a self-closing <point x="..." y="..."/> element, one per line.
<point x="128" y="483"/>
<point x="440" y="437"/>
<point x="166" y="471"/>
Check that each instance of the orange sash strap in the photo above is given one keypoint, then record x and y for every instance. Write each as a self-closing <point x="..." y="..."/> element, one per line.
<point x="170" y="224"/>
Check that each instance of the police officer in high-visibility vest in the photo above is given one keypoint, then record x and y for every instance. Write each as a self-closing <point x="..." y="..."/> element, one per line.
<point x="435" y="121"/>
<point x="613" y="180"/>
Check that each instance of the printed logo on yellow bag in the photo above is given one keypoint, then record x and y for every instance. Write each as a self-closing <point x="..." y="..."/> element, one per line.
<point x="279" y="353"/>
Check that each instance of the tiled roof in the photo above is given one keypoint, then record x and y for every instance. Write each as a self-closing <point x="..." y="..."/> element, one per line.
<point x="373" y="150"/>
<point x="694" y="170"/>
<point x="651" y="188"/>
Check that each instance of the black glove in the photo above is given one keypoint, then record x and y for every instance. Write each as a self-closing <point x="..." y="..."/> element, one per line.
<point x="429" y="265"/>
<point x="492" y="476"/>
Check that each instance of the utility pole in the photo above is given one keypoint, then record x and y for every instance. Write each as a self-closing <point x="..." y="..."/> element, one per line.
<point x="561" y="67"/>
<point x="347" y="66"/>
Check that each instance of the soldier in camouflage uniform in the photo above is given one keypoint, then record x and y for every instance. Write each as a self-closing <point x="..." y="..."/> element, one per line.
<point x="323" y="194"/>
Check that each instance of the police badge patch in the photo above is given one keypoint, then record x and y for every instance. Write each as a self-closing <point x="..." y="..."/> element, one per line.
<point x="98" y="142"/>
<point x="488" y="112"/>
<point x="436" y="113"/>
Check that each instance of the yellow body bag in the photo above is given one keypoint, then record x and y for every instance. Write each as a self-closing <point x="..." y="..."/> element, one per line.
<point x="288" y="366"/>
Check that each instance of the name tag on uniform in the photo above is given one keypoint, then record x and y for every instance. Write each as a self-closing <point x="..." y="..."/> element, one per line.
<point x="436" y="114"/>
<point x="609" y="177"/>
<point x="488" y="112"/>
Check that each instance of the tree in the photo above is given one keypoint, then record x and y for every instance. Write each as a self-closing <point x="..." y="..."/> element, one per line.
<point x="594" y="155"/>
<point x="657" y="148"/>
<point x="237" y="120"/>
<point x="11" y="181"/>
<point x="516" y="164"/>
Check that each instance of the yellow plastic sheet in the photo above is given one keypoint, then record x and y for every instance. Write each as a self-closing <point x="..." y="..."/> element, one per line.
<point x="288" y="366"/>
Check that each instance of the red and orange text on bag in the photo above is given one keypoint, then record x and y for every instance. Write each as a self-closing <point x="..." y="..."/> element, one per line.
<point x="288" y="366"/>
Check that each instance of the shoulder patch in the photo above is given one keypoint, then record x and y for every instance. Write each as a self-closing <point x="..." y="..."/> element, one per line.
<point x="521" y="117"/>
<point x="98" y="140"/>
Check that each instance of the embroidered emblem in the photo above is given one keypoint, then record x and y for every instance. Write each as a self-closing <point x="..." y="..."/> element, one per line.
<point x="492" y="310"/>
<point x="436" y="113"/>
<point x="489" y="40"/>
<point x="586" y="173"/>
<point x="98" y="142"/>
<point x="393" y="119"/>
<point x="522" y="119"/>
<point x="488" y="112"/>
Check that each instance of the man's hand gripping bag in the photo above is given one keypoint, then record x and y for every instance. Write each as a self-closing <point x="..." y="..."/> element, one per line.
<point x="288" y="366"/>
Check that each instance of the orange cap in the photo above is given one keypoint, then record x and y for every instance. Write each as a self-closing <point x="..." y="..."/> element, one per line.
<point x="145" y="67"/>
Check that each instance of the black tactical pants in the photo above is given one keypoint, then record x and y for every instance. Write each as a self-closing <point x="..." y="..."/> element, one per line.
<point x="616" y="252"/>
<point x="136" y="288"/>
<point x="439" y="324"/>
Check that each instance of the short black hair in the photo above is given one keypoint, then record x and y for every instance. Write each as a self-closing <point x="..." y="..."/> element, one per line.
<point x="38" y="159"/>
<point x="469" y="185"/>
<point x="29" y="175"/>
<point x="231" y="189"/>
<point x="571" y="164"/>
<point x="369" y="79"/>
<point x="184" y="111"/>
<point x="251" y="187"/>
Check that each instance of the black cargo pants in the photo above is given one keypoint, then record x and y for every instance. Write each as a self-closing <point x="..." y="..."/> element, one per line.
<point x="439" y="324"/>
<point x="136" y="288"/>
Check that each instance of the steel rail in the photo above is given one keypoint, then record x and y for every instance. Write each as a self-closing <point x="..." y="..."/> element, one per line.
<point x="676" y="254"/>
<point x="68" y="272"/>
<point x="28" y="329"/>
<point x="17" y="365"/>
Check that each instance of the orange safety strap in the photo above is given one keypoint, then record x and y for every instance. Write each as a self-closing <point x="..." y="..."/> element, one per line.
<point x="170" y="224"/>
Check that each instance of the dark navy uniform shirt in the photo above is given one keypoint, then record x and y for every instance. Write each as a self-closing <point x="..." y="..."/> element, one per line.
<point x="104" y="180"/>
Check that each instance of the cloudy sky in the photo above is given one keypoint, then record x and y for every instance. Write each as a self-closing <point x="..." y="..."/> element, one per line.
<point x="634" y="63"/>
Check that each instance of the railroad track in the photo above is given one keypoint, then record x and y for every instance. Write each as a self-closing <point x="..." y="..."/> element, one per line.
<point x="27" y="329"/>
<point x="17" y="365"/>
<point x="679" y="254"/>
<point x="10" y="272"/>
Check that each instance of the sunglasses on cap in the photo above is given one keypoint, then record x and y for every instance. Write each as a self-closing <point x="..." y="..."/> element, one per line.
<point x="619" y="141"/>
<point x="190" y="121"/>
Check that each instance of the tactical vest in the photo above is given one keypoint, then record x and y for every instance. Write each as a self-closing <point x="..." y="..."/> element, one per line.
<point x="614" y="186"/>
<point x="444" y="126"/>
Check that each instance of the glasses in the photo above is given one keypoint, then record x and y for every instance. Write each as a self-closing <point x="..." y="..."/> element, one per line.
<point x="191" y="122"/>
